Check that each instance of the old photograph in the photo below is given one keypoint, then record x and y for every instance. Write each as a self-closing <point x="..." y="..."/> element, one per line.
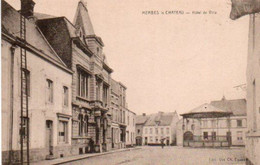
<point x="130" y="82"/>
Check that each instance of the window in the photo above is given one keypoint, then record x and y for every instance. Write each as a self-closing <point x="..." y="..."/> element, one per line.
<point x="98" y="84"/>
<point x="151" y="139"/>
<point x="168" y="130"/>
<point x="205" y="135"/>
<point x="138" y="131"/>
<point x="239" y="135"/>
<point x="239" y="123"/>
<point x="50" y="90"/>
<point x="162" y="131"/>
<point x="228" y="123"/>
<point x="105" y="90"/>
<point x="214" y="135"/>
<point x="146" y="130"/>
<point x="24" y="130"/>
<point x="213" y="123"/>
<point x="63" y="131"/>
<point x="151" y="130"/>
<point x="83" y="79"/>
<point x="127" y="120"/>
<point x="156" y="131"/>
<point x="82" y="125"/>
<point x="65" y="96"/>
<point x="28" y="78"/>
<point x="205" y="124"/>
<point x="156" y="139"/>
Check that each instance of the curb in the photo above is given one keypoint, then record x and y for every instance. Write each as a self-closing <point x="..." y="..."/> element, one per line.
<point x="80" y="157"/>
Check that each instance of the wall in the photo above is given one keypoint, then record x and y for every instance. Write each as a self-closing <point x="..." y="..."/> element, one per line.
<point x="253" y="91"/>
<point x="39" y="109"/>
<point x="130" y="128"/>
<point x="153" y="135"/>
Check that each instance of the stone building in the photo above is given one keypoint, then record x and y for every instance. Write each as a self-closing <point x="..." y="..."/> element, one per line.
<point x="79" y="47"/>
<point x="253" y="91"/>
<point x="49" y="91"/>
<point x="160" y="126"/>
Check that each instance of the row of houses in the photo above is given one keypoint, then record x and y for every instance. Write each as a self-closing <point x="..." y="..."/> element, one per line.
<point x="199" y="131"/>
<point x="72" y="99"/>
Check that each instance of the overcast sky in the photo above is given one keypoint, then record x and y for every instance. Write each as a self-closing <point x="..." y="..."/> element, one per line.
<point x="168" y="62"/>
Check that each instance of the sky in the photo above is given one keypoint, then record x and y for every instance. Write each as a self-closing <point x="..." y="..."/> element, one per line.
<point x="169" y="62"/>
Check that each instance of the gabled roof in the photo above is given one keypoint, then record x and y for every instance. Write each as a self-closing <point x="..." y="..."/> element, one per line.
<point x="34" y="37"/>
<point x="82" y="19"/>
<point x="161" y="119"/>
<point x="237" y="107"/>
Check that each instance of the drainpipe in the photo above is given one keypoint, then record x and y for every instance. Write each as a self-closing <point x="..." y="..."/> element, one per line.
<point x="11" y="104"/>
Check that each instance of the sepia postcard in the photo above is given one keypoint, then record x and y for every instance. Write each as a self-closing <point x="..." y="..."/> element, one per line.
<point x="130" y="82"/>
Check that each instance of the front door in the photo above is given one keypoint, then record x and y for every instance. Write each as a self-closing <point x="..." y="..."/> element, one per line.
<point x="145" y="141"/>
<point x="113" y="145"/>
<point x="49" y="137"/>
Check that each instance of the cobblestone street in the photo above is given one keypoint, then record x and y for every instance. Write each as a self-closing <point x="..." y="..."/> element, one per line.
<point x="168" y="156"/>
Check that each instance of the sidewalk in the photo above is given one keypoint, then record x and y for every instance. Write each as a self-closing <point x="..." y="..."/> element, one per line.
<point x="79" y="157"/>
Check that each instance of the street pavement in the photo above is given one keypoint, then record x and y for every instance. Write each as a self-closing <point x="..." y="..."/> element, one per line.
<point x="155" y="155"/>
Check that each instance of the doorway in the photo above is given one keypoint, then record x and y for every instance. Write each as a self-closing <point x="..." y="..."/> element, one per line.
<point x="49" y="137"/>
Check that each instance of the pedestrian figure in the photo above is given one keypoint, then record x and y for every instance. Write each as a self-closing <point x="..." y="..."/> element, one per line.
<point x="91" y="145"/>
<point x="162" y="143"/>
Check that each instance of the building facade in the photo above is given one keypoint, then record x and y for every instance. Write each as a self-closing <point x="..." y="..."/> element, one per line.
<point x="160" y="126"/>
<point x="81" y="49"/>
<point x="253" y="92"/>
<point x="48" y="90"/>
<point x="118" y="111"/>
<point x="130" y="128"/>
<point x="140" y="121"/>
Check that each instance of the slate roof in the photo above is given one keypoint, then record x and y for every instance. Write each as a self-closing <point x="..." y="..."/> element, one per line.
<point x="34" y="37"/>
<point x="115" y="86"/>
<point x="206" y="111"/>
<point x="82" y="18"/>
<point x="161" y="119"/>
<point x="140" y="119"/>
<point x="237" y="107"/>
<point x="42" y="15"/>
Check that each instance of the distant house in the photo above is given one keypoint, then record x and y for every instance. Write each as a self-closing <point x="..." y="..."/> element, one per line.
<point x="140" y="121"/>
<point x="160" y="126"/>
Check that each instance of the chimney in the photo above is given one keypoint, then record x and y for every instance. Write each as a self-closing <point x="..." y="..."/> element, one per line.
<point x="144" y="114"/>
<point x="27" y="7"/>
